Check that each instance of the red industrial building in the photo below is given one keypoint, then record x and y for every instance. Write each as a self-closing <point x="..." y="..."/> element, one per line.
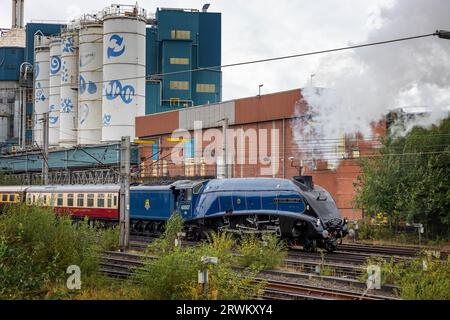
<point x="262" y="144"/>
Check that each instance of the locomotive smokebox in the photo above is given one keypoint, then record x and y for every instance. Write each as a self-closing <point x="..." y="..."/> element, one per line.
<point x="306" y="181"/>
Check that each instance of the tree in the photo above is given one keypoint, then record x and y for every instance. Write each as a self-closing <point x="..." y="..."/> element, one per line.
<point x="409" y="178"/>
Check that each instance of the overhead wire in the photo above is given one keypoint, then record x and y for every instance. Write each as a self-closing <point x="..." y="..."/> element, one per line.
<point x="257" y="61"/>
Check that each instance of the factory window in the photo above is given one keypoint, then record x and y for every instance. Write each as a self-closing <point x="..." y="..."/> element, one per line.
<point x="70" y="200"/>
<point x="80" y="200"/>
<point x="100" y="200"/>
<point x="109" y="200"/>
<point x="208" y="88"/>
<point x="183" y="61"/>
<point x="59" y="202"/>
<point x="179" y="85"/>
<point x="90" y="200"/>
<point x="181" y="34"/>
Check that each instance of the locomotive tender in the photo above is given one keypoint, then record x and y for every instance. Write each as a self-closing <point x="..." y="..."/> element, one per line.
<point x="295" y="210"/>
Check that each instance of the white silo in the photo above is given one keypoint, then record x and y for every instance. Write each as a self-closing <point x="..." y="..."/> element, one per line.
<point x="54" y="104"/>
<point x="90" y="84"/>
<point x="124" y="32"/>
<point x="41" y="85"/>
<point x="69" y="89"/>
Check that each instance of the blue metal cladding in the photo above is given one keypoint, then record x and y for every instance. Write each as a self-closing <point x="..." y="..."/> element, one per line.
<point x="207" y="77"/>
<point x="176" y="49"/>
<point x="152" y="51"/>
<point x="108" y="155"/>
<point x="169" y="20"/>
<point x="10" y="61"/>
<point x="47" y="29"/>
<point x="151" y="203"/>
<point x="202" y="48"/>
<point x="152" y="97"/>
<point x="155" y="152"/>
<point x="189" y="149"/>
<point x="210" y="40"/>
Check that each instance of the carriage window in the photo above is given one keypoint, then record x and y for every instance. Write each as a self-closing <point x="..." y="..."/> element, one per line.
<point x="109" y="200"/>
<point x="90" y="200"/>
<point x="80" y="200"/>
<point x="45" y="199"/>
<point x="70" y="200"/>
<point x="11" y="198"/>
<point x="4" y="198"/>
<point x="59" y="202"/>
<point x="100" y="200"/>
<point x="52" y="199"/>
<point x="115" y="201"/>
<point x="34" y="198"/>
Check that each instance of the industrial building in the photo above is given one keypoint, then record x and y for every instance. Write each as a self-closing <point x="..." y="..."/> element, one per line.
<point x="125" y="72"/>
<point x="95" y="74"/>
<point x="260" y="143"/>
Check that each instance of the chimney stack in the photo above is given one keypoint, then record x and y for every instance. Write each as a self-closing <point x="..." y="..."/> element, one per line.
<point x="17" y="13"/>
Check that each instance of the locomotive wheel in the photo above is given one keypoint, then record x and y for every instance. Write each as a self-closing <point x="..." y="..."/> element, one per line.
<point x="310" y="246"/>
<point x="331" y="245"/>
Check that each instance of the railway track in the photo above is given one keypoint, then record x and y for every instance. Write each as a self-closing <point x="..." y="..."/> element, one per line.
<point x="119" y="265"/>
<point x="291" y="291"/>
<point x="350" y="253"/>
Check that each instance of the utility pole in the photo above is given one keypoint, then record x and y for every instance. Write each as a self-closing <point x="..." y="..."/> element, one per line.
<point x="45" y="135"/>
<point x="124" y="193"/>
<point x="224" y="147"/>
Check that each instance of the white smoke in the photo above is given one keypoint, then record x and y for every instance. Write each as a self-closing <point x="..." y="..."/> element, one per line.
<point x="369" y="82"/>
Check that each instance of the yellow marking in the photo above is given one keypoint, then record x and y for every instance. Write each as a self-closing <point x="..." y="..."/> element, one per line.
<point x="178" y="140"/>
<point x="145" y="141"/>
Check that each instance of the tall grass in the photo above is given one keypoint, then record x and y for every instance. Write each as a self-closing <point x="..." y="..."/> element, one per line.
<point x="174" y="274"/>
<point x="267" y="252"/>
<point x="423" y="278"/>
<point x="36" y="247"/>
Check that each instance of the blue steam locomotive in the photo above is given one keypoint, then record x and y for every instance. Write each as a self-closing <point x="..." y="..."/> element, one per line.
<point x="295" y="210"/>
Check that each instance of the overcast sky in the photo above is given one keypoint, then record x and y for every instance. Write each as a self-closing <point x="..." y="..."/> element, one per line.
<point x="255" y="29"/>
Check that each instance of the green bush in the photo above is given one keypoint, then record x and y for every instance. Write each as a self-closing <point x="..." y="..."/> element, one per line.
<point x="36" y="247"/>
<point x="173" y="274"/>
<point x="266" y="253"/>
<point x="370" y="231"/>
<point x="416" y="282"/>
<point x="166" y="242"/>
<point x="110" y="238"/>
